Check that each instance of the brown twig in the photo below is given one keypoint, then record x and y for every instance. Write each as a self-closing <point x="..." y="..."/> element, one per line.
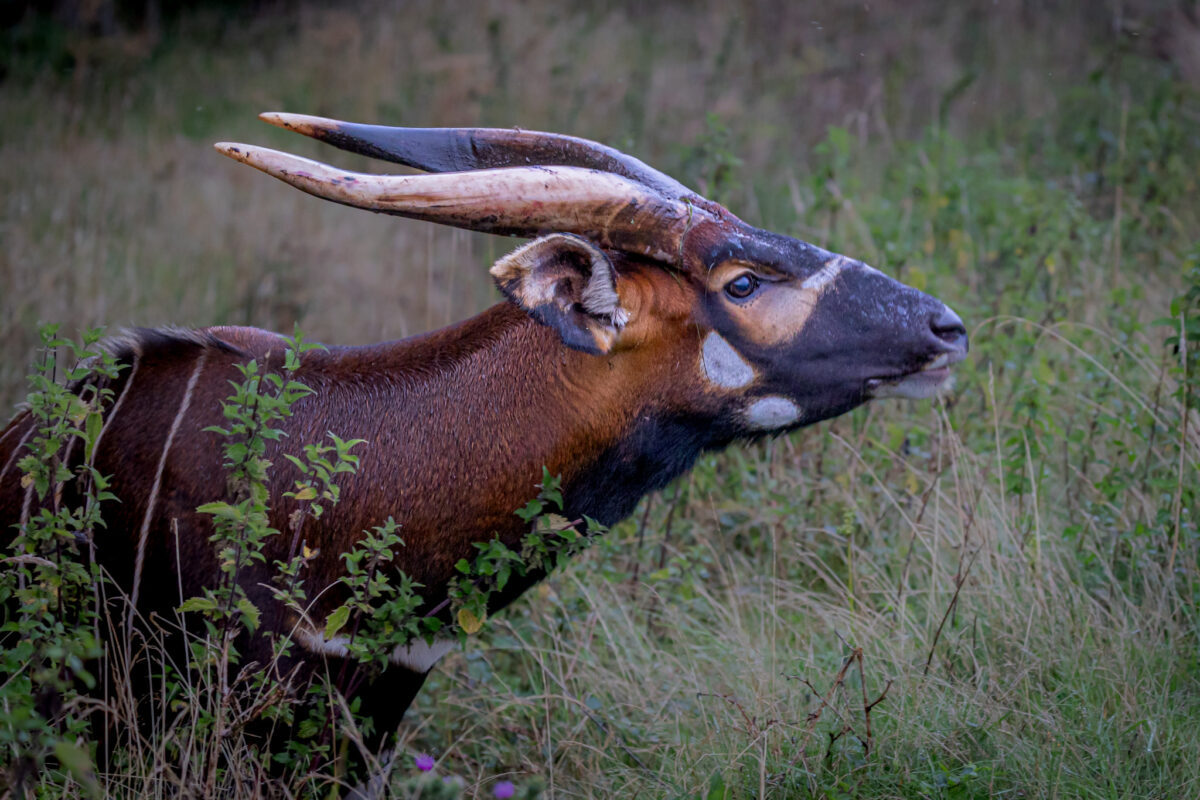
<point x="867" y="739"/>
<point x="637" y="551"/>
<point x="753" y="728"/>
<point x="662" y="553"/>
<point x="815" y="716"/>
<point x="833" y="737"/>
<point x="959" y="580"/>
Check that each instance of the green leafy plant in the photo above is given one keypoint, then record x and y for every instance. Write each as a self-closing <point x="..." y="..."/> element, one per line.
<point x="50" y="582"/>
<point x="241" y="525"/>
<point x="380" y="614"/>
<point x="550" y="539"/>
<point x="260" y="401"/>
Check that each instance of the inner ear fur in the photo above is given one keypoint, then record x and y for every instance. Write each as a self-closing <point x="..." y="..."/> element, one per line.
<point x="569" y="284"/>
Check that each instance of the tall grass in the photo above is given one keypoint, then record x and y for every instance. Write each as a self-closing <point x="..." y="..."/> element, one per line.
<point x="1012" y="660"/>
<point x="1011" y="572"/>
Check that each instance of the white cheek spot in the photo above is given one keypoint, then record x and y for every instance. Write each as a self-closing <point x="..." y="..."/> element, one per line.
<point x="769" y="413"/>
<point x="420" y="656"/>
<point x="722" y="364"/>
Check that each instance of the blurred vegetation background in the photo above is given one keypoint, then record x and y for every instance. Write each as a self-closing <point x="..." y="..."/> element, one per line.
<point x="1020" y="558"/>
<point x="117" y="211"/>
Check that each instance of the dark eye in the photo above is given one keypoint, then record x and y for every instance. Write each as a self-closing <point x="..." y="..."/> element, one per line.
<point x="742" y="286"/>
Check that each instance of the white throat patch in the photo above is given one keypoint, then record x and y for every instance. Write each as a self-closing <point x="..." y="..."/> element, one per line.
<point x="769" y="413"/>
<point x="723" y="365"/>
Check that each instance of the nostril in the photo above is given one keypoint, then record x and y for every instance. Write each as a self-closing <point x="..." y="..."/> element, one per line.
<point x="947" y="326"/>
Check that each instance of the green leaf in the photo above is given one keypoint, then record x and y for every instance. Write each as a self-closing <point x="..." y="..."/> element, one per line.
<point x="717" y="789"/>
<point x="221" y="509"/>
<point x="77" y="762"/>
<point x="95" y="423"/>
<point x="307" y="493"/>
<point x="202" y="604"/>
<point x="336" y="621"/>
<point x="556" y="522"/>
<point x="300" y="465"/>
<point x="470" y="623"/>
<point x="250" y="612"/>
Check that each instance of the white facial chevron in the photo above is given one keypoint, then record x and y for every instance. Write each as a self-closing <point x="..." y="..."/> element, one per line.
<point x="825" y="275"/>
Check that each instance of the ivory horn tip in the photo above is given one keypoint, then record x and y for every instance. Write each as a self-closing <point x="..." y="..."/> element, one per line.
<point x="305" y="124"/>
<point x="270" y="161"/>
<point x="232" y="149"/>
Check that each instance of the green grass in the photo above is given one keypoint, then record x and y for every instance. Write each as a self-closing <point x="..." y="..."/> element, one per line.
<point x="1017" y="564"/>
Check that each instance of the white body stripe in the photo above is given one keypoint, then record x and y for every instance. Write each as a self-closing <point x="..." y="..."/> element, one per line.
<point x="13" y="429"/>
<point x="723" y="365"/>
<point x="17" y="450"/>
<point x="152" y="501"/>
<point x="417" y="656"/>
<point x="112" y="415"/>
<point x="314" y="642"/>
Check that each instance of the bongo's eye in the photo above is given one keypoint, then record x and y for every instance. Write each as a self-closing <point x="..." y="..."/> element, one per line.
<point x="742" y="286"/>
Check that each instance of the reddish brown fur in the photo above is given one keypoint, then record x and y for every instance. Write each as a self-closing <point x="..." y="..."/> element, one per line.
<point x="614" y="379"/>
<point x="459" y="424"/>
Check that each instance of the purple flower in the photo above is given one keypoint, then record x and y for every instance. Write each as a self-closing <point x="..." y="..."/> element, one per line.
<point x="504" y="789"/>
<point x="425" y="762"/>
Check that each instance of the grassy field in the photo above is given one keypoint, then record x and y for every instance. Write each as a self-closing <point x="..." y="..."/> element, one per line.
<point x="991" y="595"/>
